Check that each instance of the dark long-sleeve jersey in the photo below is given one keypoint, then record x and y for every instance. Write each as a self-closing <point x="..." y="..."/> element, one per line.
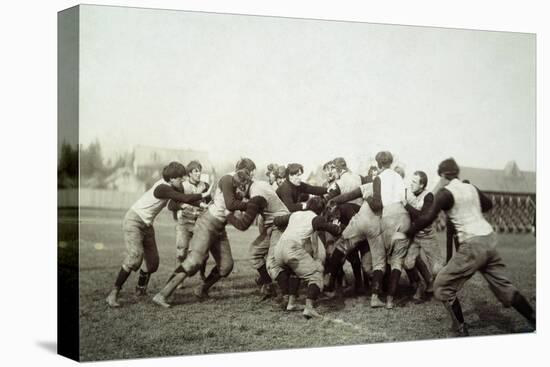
<point x="168" y="192"/>
<point x="292" y="195"/>
<point x="415" y="213"/>
<point x="375" y="201"/>
<point x="245" y="220"/>
<point x="229" y="197"/>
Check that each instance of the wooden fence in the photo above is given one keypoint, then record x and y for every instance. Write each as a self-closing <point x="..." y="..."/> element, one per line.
<point x="95" y="198"/>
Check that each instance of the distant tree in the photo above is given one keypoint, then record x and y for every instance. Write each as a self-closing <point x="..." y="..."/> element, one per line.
<point x="67" y="169"/>
<point x="91" y="160"/>
<point x="68" y="160"/>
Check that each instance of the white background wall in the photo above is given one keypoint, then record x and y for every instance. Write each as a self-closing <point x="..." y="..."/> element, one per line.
<point x="28" y="118"/>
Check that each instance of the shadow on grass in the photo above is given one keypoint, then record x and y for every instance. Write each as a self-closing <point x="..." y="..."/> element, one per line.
<point x="50" y="346"/>
<point x="491" y="316"/>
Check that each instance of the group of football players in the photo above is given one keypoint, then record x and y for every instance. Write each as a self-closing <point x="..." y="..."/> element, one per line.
<point x="307" y="233"/>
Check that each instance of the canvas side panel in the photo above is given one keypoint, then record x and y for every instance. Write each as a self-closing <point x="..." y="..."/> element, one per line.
<point x="68" y="340"/>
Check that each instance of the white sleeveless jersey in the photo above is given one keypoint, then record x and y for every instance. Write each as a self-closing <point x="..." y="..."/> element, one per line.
<point x="348" y="182"/>
<point x="148" y="206"/>
<point x="299" y="226"/>
<point x="392" y="187"/>
<point x="275" y="206"/>
<point x="365" y="224"/>
<point x="366" y="190"/>
<point x="466" y="213"/>
<point x="217" y="207"/>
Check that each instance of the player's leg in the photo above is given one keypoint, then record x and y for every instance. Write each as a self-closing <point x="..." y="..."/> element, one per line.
<point x="427" y="275"/>
<point x="185" y="239"/>
<point x="221" y="252"/>
<point x="257" y="252"/>
<point x="205" y="232"/>
<point x="399" y="223"/>
<point x="335" y="265"/>
<point x="342" y="248"/>
<point x="354" y="259"/>
<point x="133" y="239"/>
<point x="434" y="260"/>
<point x="452" y="277"/>
<point x="278" y="271"/>
<point x="378" y="252"/>
<point x="495" y="274"/>
<point x="151" y="263"/>
<point x="180" y="241"/>
<point x="293" y="286"/>
<point x="366" y="265"/>
<point x="409" y="264"/>
<point x="274" y="265"/>
<point x="283" y="281"/>
<point x="414" y="265"/>
<point x="364" y="250"/>
<point x="311" y="271"/>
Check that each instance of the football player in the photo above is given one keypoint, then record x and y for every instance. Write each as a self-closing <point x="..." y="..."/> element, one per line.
<point x="210" y="235"/>
<point x="186" y="214"/>
<point x="261" y="246"/>
<point x="275" y="174"/>
<point x="418" y="201"/>
<point x="387" y="199"/>
<point x="464" y="204"/>
<point x="139" y="234"/>
<point x="292" y="190"/>
<point x="347" y="181"/>
<point x="291" y="254"/>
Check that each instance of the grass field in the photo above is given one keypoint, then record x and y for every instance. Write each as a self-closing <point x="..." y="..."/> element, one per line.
<point x="234" y="319"/>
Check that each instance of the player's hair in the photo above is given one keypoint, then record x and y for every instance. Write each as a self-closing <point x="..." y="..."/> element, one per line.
<point x="448" y="169"/>
<point x="245" y="163"/>
<point x="272" y="167"/>
<point x="194" y="165"/>
<point x="423" y="178"/>
<point x="327" y="165"/>
<point x="340" y="164"/>
<point x="280" y="172"/>
<point x="384" y="159"/>
<point x="400" y="171"/>
<point x="173" y="170"/>
<point x="242" y="178"/>
<point x="294" y="168"/>
<point x="316" y="204"/>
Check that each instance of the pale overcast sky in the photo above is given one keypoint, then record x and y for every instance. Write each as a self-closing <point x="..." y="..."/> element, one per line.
<point x="295" y="90"/>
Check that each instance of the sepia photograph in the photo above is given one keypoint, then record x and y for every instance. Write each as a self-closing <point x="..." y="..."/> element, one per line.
<point x="235" y="183"/>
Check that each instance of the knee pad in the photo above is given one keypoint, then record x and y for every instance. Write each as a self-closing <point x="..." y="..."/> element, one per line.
<point x="225" y="268"/>
<point x="439" y="293"/>
<point x="132" y="263"/>
<point x="436" y="268"/>
<point x="381" y="268"/>
<point x="316" y="279"/>
<point x="408" y="264"/>
<point x="191" y="266"/>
